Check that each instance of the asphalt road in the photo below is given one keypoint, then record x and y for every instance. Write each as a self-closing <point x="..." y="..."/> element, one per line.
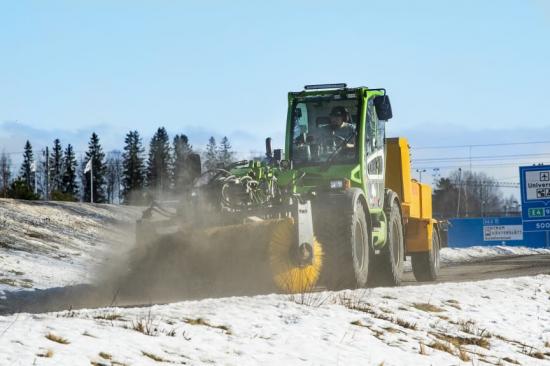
<point x="503" y="267"/>
<point x="86" y="296"/>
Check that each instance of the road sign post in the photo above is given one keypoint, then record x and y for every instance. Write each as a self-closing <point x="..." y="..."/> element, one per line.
<point x="535" y="198"/>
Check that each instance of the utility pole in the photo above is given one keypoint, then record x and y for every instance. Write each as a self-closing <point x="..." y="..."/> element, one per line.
<point x="420" y="171"/>
<point x="470" y="154"/>
<point x="459" y="190"/>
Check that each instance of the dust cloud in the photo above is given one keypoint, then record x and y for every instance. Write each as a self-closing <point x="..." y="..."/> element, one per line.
<point x="185" y="263"/>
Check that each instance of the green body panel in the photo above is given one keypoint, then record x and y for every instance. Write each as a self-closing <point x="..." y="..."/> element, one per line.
<point x="318" y="177"/>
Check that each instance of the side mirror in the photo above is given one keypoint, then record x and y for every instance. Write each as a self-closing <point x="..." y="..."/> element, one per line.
<point x="383" y="107"/>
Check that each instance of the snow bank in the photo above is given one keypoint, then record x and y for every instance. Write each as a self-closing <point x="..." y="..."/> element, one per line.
<point x="478" y="253"/>
<point x="497" y="321"/>
<point x="49" y="244"/>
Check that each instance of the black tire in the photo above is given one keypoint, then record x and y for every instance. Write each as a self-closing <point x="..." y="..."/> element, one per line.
<point x="388" y="265"/>
<point x="346" y="243"/>
<point x="425" y="265"/>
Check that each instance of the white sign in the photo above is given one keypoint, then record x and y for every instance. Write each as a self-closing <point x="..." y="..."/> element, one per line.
<point x="537" y="184"/>
<point x="502" y="232"/>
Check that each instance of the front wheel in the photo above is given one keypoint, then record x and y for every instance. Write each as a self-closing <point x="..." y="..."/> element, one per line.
<point x="425" y="265"/>
<point x="389" y="263"/>
<point x="346" y="240"/>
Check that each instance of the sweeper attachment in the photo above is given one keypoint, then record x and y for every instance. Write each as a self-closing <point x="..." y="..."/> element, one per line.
<point x="234" y="233"/>
<point x="340" y="210"/>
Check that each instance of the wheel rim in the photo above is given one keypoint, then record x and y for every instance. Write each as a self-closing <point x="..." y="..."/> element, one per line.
<point x="396" y="240"/>
<point x="358" y="246"/>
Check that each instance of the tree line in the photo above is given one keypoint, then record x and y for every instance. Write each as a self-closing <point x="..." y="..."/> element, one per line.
<point x="130" y="176"/>
<point x="471" y="194"/>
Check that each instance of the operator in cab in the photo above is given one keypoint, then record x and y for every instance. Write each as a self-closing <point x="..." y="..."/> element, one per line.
<point x="340" y="122"/>
<point x="340" y="129"/>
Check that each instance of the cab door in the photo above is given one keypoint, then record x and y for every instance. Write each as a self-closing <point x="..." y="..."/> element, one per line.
<point x="374" y="157"/>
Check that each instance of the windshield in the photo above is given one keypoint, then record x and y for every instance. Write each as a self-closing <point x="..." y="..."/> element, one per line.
<point x="324" y="130"/>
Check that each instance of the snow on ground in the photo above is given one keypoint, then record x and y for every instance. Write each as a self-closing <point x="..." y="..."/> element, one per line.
<point x="50" y="244"/>
<point x="472" y="254"/>
<point x="504" y="321"/>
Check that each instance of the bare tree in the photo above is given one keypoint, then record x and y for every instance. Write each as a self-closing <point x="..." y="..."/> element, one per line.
<point x="5" y="173"/>
<point x="114" y="176"/>
<point x="467" y="194"/>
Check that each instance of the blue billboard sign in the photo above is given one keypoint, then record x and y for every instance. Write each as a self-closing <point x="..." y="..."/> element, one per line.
<point x="535" y="197"/>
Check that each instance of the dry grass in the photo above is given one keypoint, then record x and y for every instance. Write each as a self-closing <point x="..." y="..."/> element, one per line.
<point x="470" y="327"/>
<point x="422" y="349"/>
<point x="427" y="307"/>
<point x="458" y="341"/>
<point x="46" y="354"/>
<point x="547" y="344"/>
<point x="108" y="316"/>
<point x="8" y="281"/>
<point x="201" y="321"/>
<point x="310" y="298"/>
<point x="463" y="355"/>
<point x="366" y="308"/>
<point x="357" y="323"/>
<point x="145" y="326"/>
<point x="445" y="347"/>
<point x="153" y="356"/>
<point x="454" y="303"/>
<point x="105" y="356"/>
<point x="405" y="324"/>
<point x="510" y="360"/>
<point x="55" y="338"/>
<point x="87" y="334"/>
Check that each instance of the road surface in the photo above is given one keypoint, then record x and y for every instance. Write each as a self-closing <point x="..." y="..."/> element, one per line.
<point x="86" y="296"/>
<point x="502" y="267"/>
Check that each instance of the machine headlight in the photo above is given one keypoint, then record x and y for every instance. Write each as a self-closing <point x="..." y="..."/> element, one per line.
<point x="340" y="184"/>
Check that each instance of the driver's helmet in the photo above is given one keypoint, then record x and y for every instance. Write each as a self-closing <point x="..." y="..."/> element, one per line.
<point x="340" y="111"/>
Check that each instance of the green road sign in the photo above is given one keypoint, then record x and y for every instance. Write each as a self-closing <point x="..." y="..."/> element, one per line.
<point x="536" y="212"/>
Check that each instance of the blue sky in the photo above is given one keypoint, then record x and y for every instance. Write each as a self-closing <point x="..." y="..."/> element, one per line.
<point x="458" y="72"/>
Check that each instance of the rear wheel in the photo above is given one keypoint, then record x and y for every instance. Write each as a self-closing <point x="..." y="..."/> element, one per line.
<point x="425" y="265"/>
<point x="347" y="248"/>
<point x="389" y="263"/>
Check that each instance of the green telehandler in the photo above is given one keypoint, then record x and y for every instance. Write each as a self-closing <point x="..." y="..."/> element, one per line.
<point x="337" y="210"/>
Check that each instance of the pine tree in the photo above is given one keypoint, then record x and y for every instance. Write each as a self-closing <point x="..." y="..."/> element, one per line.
<point x="56" y="167"/>
<point x="27" y="167"/>
<point x="68" y="184"/>
<point x="95" y="153"/>
<point x="225" y="155"/>
<point x="133" y="168"/>
<point x="211" y="155"/>
<point x="181" y="169"/>
<point x="158" y="164"/>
